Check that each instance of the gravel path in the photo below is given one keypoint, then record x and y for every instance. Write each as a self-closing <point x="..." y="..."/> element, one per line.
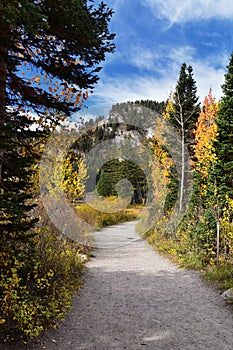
<point x="134" y="299"/>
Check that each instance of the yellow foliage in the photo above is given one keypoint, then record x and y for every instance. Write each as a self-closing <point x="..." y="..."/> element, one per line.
<point x="162" y="163"/>
<point x="74" y="179"/>
<point x="169" y="107"/>
<point x="36" y="287"/>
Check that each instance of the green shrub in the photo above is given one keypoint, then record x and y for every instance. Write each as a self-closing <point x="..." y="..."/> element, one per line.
<point x="220" y="275"/>
<point x="192" y="260"/>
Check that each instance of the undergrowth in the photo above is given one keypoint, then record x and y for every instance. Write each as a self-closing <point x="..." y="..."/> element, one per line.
<point x="220" y="275"/>
<point x="38" y="280"/>
<point x="193" y="252"/>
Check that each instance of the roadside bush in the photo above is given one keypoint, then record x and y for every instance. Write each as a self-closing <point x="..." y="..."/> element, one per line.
<point x="38" y="279"/>
<point x="193" y="245"/>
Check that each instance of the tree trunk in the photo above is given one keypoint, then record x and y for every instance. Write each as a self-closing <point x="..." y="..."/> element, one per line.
<point x="182" y="167"/>
<point x="182" y="180"/>
<point x="218" y="241"/>
<point x="217" y="228"/>
<point x="4" y="42"/>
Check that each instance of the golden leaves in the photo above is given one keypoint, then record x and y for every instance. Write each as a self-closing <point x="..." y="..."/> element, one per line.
<point x="206" y="135"/>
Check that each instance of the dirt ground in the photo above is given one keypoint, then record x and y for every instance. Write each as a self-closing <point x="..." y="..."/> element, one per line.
<point x="133" y="299"/>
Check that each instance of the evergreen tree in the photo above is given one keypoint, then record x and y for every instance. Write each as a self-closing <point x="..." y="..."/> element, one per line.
<point x="49" y="52"/>
<point x="16" y="170"/>
<point x="116" y="170"/>
<point x="99" y="134"/>
<point x="183" y="111"/>
<point x="186" y="108"/>
<point x="108" y="178"/>
<point x="63" y="42"/>
<point x="224" y="144"/>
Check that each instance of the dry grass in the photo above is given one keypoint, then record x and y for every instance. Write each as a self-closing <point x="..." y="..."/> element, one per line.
<point x="102" y="214"/>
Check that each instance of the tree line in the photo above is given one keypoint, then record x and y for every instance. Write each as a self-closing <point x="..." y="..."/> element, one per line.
<point x="204" y="236"/>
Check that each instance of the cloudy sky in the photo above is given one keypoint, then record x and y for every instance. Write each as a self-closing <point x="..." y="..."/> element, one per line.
<point x="153" y="39"/>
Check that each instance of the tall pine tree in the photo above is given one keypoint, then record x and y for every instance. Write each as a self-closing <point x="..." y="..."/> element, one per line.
<point x="16" y="170"/>
<point x="186" y="108"/>
<point x="182" y="111"/>
<point x="224" y="144"/>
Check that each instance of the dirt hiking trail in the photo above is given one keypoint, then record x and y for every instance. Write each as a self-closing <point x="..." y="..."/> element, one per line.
<point x="134" y="299"/>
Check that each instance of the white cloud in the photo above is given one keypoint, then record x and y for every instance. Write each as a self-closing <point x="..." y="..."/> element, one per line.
<point x="101" y="109"/>
<point x="153" y="60"/>
<point x="208" y="77"/>
<point x="142" y="58"/>
<point x="157" y="70"/>
<point x="184" y="11"/>
<point x="181" y="54"/>
<point x="122" y="89"/>
<point x="137" y="87"/>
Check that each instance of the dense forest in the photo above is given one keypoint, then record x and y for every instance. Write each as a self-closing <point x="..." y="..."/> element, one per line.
<point x="47" y="66"/>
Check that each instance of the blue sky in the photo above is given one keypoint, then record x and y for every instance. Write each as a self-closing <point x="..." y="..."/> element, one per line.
<point x="153" y="39"/>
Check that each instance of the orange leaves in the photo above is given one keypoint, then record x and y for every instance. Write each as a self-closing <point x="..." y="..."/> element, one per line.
<point x="19" y="46"/>
<point x="62" y="91"/>
<point x="80" y="97"/>
<point x="159" y="141"/>
<point x="206" y="135"/>
<point x="78" y="100"/>
<point x="70" y="94"/>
